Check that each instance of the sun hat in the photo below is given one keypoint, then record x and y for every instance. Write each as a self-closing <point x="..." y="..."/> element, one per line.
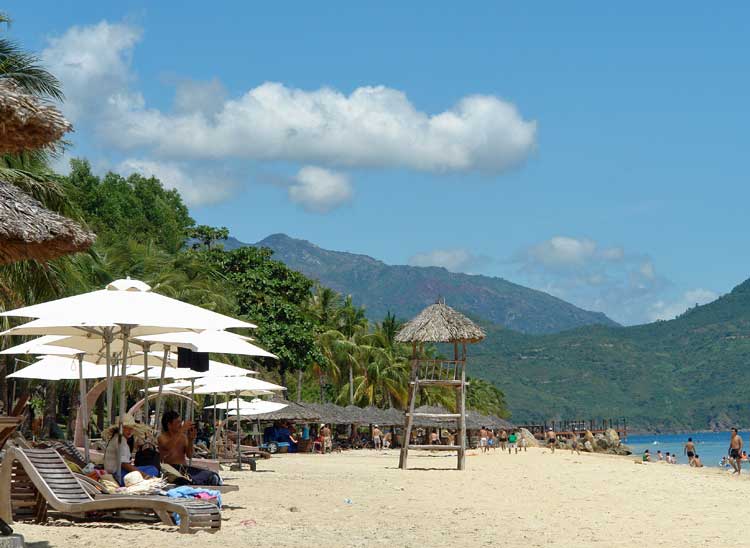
<point x="128" y="421"/>
<point x="132" y="478"/>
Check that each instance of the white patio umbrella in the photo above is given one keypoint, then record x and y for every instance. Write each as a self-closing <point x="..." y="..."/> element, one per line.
<point x="58" y="368"/>
<point x="256" y="406"/>
<point x="124" y="309"/>
<point x="216" y="341"/>
<point x="239" y="386"/>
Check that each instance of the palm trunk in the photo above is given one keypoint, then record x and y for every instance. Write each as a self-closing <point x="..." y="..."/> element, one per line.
<point x="320" y="384"/>
<point x="351" y="384"/>
<point x="50" y="410"/>
<point x="299" y="385"/>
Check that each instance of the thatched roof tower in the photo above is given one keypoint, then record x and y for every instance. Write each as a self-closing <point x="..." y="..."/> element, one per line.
<point x="439" y="323"/>
<point x="26" y="122"/>
<point x="29" y="231"/>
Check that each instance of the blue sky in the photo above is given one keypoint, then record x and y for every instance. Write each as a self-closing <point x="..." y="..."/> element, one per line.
<point x="589" y="149"/>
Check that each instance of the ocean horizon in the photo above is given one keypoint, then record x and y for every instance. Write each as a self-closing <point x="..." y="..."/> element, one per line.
<point x="710" y="446"/>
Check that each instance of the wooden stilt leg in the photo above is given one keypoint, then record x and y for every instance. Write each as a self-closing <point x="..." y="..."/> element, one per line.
<point x="461" y="395"/>
<point x="413" y="390"/>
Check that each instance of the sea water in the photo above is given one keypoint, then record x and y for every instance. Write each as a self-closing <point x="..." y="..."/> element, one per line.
<point x="711" y="446"/>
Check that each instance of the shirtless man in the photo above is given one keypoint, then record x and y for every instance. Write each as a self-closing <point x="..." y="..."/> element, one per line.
<point x="327" y="441"/>
<point x="377" y="439"/>
<point x="483" y="439"/>
<point x="551" y="439"/>
<point x="735" y="451"/>
<point x="176" y="439"/>
<point x="689" y="450"/>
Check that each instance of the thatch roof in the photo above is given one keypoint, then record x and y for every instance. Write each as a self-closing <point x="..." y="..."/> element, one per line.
<point x="29" y="231"/>
<point x="293" y="412"/>
<point x="26" y="122"/>
<point x="439" y="323"/>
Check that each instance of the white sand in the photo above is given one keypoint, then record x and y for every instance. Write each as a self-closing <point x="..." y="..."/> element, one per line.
<point x="531" y="499"/>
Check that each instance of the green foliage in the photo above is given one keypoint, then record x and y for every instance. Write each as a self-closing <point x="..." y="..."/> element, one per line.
<point x="686" y="373"/>
<point x="206" y="236"/>
<point x="275" y="298"/>
<point x="136" y="207"/>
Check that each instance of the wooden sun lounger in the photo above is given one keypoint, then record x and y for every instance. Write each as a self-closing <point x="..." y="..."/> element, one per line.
<point x="35" y="478"/>
<point x="8" y="425"/>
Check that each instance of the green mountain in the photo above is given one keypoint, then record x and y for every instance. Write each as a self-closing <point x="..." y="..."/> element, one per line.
<point x="688" y="373"/>
<point x="406" y="290"/>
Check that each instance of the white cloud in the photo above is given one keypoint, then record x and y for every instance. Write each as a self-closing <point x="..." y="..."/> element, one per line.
<point x="622" y="284"/>
<point x="560" y="251"/>
<point x="320" y="190"/>
<point x="662" y="310"/>
<point x="195" y="187"/>
<point x="93" y="64"/>
<point x="373" y="126"/>
<point x="455" y="260"/>
<point x="204" y="97"/>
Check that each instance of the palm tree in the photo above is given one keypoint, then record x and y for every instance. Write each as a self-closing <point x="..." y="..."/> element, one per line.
<point x="325" y="304"/>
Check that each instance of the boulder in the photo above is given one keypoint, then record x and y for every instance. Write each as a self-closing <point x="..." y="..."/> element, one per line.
<point x="612" y="437"/>
<point x="531" y="441"/>
<point x="587" y="446"/>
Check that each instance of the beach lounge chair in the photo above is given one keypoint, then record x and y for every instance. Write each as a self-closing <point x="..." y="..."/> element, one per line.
<point x="32" y="479"/>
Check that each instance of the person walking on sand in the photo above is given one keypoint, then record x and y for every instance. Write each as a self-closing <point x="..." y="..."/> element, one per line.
<point x="574" y="445"/>
<point x="482" y="439"/>
<point x="735" y="451"/>
<point x="325" y="432"/>
<point x="512" y="443"/>
<point x="377" y="439"/>
<point x="689" y="450"/>
<point x="551" y="439"/>
<point x="503" y="439"/>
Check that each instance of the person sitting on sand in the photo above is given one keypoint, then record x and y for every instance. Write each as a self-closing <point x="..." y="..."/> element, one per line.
<point x="646" y="456"/>
<point x="744" y="456"/>
<point x="735" y="452"/>
<point x="689" y="450"/>
<point x="696" y="462"/>
<point x="659" y="456"/>
<point x="551" y="439"/>
<point x="668" y="458"/>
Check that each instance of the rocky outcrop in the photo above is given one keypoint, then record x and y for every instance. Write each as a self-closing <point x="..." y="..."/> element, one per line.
<point x="531" y="441"/>
<point x="608" y="442"/>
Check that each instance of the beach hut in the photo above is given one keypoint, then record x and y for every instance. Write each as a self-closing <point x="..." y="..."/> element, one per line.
<point x="29" y="231"/>
<point x="438" y="323"/>
<point x="28" y="122"/>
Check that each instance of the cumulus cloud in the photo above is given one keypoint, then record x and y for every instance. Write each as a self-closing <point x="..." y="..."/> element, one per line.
<point x="196" y="187"/>
<point x="93" y="64"/>
<point x="623" y="284"/>
<point x="320" y="190"/>
<point x="667" y="310"/>
<point x="455" y="259"/>
<point x="373" y="126"/>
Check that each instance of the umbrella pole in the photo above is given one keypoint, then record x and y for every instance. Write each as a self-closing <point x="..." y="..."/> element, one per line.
<point x="108" y="350"/>
<point x="83" y="410"/>
<point x="123" y="375"/>
<point x="192" y="398"/>
<point x="213" y="449"/>
<point x="157" y="416"/>
<point x="146" y="348"/>
<point x="239" y="437"/>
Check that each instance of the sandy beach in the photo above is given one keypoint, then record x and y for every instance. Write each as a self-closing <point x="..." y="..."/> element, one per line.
<point x="532" y="499"/>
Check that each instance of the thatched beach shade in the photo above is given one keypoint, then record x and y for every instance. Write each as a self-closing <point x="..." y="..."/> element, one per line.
<point x="29" y="231"/>
<point x="27" y="122"/>
<point x="292" y="412"/>
<point x="439" y="323"/>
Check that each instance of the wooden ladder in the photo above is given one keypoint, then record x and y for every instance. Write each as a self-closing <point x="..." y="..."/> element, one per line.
<point x="459" y="385"/>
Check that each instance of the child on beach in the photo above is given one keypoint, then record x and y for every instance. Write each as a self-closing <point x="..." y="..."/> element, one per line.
<point x="512" y="443"/>
<point x="646" y="456"/>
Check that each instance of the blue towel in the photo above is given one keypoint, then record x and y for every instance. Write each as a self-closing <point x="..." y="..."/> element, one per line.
<point x="187" y="492"/>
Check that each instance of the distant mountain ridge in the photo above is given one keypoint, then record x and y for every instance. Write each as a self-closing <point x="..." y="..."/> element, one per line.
<point x="405" y="290"/>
